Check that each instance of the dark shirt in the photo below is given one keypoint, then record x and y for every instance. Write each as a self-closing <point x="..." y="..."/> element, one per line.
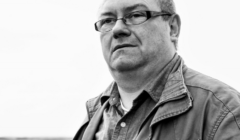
<point x="116" y="125"/>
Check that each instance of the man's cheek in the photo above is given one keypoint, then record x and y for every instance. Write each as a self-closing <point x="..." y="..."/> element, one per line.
<point x="106" y="41"/>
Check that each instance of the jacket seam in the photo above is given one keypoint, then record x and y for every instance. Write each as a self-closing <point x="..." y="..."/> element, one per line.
<point x="212" y="93"/>
<point x="235" y="118"/>
<point x="225" y="112"/>
<point x="217" y="124"/>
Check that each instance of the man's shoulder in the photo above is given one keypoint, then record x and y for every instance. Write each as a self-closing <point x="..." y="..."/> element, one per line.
<point x="95" y="100"/>
<point x="218" y="100"/>
<point x="196" y="79"/>
<point x="207" y="88"/>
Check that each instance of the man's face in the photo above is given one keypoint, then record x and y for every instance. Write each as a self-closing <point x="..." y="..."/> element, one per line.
<point x="129" y="47"/>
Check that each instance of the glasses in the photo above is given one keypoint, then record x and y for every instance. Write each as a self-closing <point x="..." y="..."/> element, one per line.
<point x="133" y="18"/>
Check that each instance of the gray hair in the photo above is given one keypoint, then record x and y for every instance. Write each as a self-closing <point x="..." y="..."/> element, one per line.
<point x="167" y="6"/>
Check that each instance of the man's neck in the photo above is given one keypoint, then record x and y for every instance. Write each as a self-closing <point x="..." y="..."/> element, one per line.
<point x="127" y="98"/>
<point x="131" y="84"/>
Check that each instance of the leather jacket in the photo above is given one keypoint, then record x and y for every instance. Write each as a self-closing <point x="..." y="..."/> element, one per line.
<point x="192" y="106"/>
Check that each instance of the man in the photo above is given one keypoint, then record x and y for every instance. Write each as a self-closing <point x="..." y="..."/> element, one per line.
<point x="154" y="96"/>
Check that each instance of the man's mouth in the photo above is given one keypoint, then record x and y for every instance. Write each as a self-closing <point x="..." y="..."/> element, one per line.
<point x="123" y="46"/>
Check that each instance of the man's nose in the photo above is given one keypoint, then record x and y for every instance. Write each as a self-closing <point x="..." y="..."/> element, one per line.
<point x="120" y="30"/>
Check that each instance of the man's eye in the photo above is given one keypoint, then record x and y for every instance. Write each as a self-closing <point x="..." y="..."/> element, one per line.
<point x="136" y="15"/>
<point x="107" y="21"/>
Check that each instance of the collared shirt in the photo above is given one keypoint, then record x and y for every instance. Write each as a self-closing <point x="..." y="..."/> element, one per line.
<point x="115" y="124"/>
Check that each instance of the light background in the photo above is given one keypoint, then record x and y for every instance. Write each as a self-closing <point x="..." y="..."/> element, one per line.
<point x="51" y="60"/>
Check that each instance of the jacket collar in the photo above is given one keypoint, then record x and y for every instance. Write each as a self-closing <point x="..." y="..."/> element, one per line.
<point x="156" y="87"/>
<point x="175" y="98"/>
<point x="175" y="85"/>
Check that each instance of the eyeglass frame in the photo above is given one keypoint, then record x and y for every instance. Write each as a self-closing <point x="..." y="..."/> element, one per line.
<point x="149" y="15"/>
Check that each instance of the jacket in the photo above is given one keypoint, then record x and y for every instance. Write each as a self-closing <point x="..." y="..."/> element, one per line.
<point x="192" y="106"/>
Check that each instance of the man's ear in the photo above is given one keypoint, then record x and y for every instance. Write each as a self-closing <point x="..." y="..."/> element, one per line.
<point x="175" y="25"/>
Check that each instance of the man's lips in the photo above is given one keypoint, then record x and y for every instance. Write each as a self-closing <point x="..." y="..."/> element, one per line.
<point x="123" y="46"/>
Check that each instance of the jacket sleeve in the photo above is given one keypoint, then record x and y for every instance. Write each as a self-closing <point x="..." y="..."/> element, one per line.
<point x="229" y="128"/>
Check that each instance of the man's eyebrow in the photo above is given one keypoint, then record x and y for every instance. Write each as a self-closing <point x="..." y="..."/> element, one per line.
<point x="107" y="14"/>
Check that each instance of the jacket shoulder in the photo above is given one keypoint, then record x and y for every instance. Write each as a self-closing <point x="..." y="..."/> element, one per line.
<point x="206" y="88"/>
<point x="196" y="79"/>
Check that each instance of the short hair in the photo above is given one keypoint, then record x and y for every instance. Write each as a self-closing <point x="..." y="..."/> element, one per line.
<point x="167" y="6"/>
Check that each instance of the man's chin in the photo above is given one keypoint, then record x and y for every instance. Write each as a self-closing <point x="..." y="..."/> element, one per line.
<point x="125" y="66"/>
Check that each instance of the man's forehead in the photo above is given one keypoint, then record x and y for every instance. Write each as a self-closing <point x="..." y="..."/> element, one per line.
<point x="127" y="5"/>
